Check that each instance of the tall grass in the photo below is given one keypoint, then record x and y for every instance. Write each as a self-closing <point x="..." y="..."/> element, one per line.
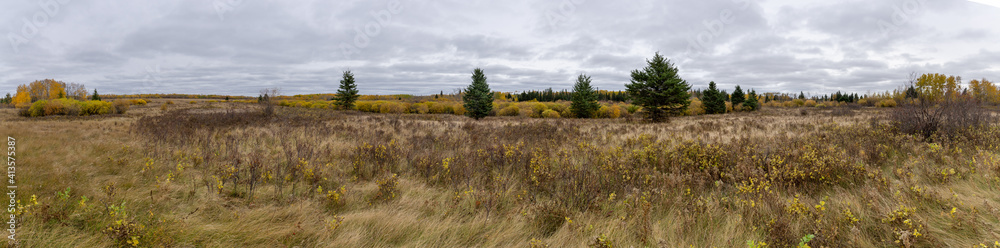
<point x="198" y="176"/>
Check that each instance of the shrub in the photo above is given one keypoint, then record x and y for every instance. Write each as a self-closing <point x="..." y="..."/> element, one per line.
<point x="73" y="109"/>
<point x="54" y="107"/>
<point x="510" y="111"/>
<point x="798" y="103"/>
<point x="24" y="111"/>
<point x="170" y="102"/>
<point x="537" y="109"/>
<point x="422" y="108"/>
<point x="37" y="109"/>
<point x="632" y="109"/>
<point x="458" y="109"/>
<point x="388" y="189"/>
<point x="193" y="102"/>
<point x="948" y="118"/>
<point x="120" y="106"/>
<point x="888" y="103"/>
<point x="93" y="107"/>
<point x="810" y="103"/>
<point x="695" y="108"/>
<point x="550" y="114"/>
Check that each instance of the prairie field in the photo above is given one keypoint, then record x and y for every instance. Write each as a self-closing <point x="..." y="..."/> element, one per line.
<point x="224" y="174"/>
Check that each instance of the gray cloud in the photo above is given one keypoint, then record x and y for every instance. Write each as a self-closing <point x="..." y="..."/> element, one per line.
<point x="423" y="47"/>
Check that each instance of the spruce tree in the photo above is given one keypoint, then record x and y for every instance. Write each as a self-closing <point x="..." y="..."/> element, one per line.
<point x="738" y="96"/>
<point x="478" y="97"/>
<point x="584" y="98"/>
<point x="751" y="103"/>
<point x="713" y="100"/>
<point x="659" y="89"/>
<point x="348" y="92"/>
<point x="802" y="95"/>
<point x="95" y="97"/>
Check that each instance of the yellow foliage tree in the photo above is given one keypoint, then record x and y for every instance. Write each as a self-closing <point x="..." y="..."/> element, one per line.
<point x="936" y="87"/>
<point x="23" y="96"/>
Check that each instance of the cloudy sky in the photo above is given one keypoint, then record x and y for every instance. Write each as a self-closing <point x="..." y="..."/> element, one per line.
<point x="423" y="47"/>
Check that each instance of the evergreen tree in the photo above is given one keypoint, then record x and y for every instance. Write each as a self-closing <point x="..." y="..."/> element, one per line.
<point x="802" y="95"/>
<point x="713" y="100"/>
<point x="751" y="103"/>
<point x="738" y="96"/>
<point x="7" y="99"/>
<point x="478" y="97"/>
<point x="95" y="97"/>
<point x="584" y="98"/>
<point x="348" y="92"/>
<point x="911" y="92"/>
<point x="658" y="89"/>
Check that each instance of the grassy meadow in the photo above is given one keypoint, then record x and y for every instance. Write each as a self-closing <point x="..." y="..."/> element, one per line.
<point x="201" y="173"/>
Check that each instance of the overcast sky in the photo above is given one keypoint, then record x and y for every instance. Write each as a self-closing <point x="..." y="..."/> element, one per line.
<point x="424" y="47"/>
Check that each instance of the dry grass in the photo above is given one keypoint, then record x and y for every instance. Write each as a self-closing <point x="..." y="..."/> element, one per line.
<point x="221" y="175"/>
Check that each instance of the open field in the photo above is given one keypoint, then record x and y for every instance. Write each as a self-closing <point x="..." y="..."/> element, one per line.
<point x="225" y="175"/>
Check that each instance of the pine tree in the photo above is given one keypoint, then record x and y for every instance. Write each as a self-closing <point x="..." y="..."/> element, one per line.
<point x="348" y="92"/>
<point x="713" y="100"/>
<point x="738" y="96"/>
<point x="584" y="98"/>
<point x="751" y="103"/>
<point x="911" y="92"/>
<point x="802" y="95"/>
<point x="478" y="97"/>
<point x="95" y="97"/>
<point x="659" y="90"/>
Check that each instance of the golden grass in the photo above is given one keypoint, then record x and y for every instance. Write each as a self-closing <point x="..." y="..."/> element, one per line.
<point x="90" y="155"/>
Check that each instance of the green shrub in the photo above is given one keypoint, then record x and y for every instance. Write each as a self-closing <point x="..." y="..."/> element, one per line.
<point x="38" y="108"/>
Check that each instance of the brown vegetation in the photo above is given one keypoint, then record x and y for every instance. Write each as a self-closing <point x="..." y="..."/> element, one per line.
<point x="226" y="174"/>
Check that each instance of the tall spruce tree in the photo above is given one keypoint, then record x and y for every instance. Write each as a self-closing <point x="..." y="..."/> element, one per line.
<point x="584" y="98"/>
<point x="713" y="100"/>
<point x="751" y="104"/>
<point x="738" y="96"/>
<point x="659" y="89"/>
<point x="478" y="97"/>
<point x="348" y="92"/>
<point x="95" y="97"/>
